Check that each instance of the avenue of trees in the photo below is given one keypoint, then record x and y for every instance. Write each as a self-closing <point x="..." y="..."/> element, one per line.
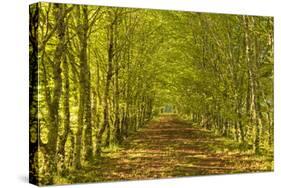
<point x="228" y="86"/>
<point x="97" y="74"/>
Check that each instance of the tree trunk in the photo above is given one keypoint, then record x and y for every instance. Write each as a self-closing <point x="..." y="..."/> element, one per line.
<point x="88" y="142"/>
<point x="107" y="86"/>
<point x="33" y="94"/>
<point x="54" y="105"/>
<point x="66" y="120"/>
<point x="257" y="121"/>
<point x="84" y="112"/>
<point x="117" y="131"/>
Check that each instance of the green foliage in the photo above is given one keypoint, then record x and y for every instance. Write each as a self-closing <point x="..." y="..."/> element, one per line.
<point x="105" y="72"/>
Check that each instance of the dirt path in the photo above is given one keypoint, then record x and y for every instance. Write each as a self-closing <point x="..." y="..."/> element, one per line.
<point x="171" y="148"/>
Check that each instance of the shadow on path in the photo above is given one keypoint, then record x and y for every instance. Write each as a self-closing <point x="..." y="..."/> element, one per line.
<point x="172" y="147"/>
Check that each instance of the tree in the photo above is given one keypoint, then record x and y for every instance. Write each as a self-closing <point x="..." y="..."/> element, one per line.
<point x="103" y="73"/>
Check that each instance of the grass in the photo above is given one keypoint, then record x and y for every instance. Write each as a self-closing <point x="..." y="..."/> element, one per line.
<point x="170" y="147"/>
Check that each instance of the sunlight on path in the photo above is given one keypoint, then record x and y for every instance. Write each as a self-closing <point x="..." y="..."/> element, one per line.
<point x="171" y="147"/>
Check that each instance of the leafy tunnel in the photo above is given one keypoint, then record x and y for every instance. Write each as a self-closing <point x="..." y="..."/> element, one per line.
<point x="107" y="74"/>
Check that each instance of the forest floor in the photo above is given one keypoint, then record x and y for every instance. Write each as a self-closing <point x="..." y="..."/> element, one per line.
<point x="171" y="147"/>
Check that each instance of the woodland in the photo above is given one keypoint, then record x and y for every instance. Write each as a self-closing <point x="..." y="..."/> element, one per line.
<point x="127" y="93"/>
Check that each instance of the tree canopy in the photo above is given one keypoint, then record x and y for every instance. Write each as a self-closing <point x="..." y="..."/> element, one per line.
<point x="98" y="74"/>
